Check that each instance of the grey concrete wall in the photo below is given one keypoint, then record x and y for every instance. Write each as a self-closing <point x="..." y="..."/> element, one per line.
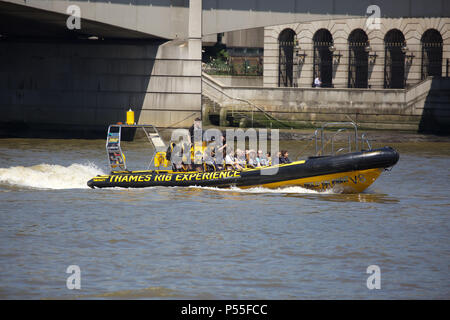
<point x="394" y="109"/>
<point x="251" y="38"/>
<point x="431" y="100"/>
<point x="83" y="87"/>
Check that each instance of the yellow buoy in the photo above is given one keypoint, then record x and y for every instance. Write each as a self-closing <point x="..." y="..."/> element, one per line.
<point x="130" y="116"/>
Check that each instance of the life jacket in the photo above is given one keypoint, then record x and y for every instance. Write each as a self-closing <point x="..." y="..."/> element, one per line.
<point x="161" y="159"/>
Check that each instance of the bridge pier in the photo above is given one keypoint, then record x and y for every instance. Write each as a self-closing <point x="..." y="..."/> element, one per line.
<point x="72" y="87"/>
<point x="77" y="88"/>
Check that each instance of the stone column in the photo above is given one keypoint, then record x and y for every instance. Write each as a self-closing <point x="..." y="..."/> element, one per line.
<point x="180" y="59"/>
<point x="195" y="29"/>
<point x="195" y="38"/>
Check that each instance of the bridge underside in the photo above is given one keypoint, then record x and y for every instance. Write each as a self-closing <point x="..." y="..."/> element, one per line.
<point x="169" y="19"/>
<point x="24" y="21"/>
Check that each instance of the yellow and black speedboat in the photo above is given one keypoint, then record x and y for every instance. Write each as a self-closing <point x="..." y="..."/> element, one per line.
<point x="349" y="173"/>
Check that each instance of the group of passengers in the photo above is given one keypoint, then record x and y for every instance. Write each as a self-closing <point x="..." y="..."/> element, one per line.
<point x="242" y="159"/>
<point x="207" y="161"/>
<point x="178" y="154"/>
<point x="230" y="160"/>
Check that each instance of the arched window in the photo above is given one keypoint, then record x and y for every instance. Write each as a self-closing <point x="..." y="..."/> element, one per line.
<point x="394" y="59"/>
<point x="323" y="57"/>
<point x="286" y="58"/>
<point x="358" y="62"/>
<point x="431" y="53"/>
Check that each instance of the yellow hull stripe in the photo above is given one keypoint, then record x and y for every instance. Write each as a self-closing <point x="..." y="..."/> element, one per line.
<point x="351" y="181"/>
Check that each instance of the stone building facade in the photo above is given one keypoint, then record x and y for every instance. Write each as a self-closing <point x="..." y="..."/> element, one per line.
<point x="348" y="53"/>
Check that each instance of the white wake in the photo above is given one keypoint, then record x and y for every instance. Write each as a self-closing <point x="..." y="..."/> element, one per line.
<point x="75" y="176"/>
<point x="266" y="190"/>
<point x="50" y="176"/>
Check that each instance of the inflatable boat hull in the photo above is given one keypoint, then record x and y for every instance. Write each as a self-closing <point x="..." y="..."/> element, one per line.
<point x="352" y="172"/>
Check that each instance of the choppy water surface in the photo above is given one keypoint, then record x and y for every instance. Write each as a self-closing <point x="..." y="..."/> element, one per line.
<point x="206" y="243"/>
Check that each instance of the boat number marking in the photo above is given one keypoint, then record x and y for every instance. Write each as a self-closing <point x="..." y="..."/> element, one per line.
<point x="330" y="183"/>
<point x="359" y="178"/>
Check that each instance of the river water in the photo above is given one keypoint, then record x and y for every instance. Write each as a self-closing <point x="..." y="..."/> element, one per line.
<point x="204" y="243"/>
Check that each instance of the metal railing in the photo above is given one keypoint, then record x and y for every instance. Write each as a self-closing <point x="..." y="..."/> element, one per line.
<point x="321" y="141"/>
<point x="114" y="151"/>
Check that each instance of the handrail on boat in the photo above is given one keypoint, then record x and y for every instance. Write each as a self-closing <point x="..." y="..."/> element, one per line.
<point x="320" y="133"/>
<point x="364" y="138"/>
<point x="332" y="141"/>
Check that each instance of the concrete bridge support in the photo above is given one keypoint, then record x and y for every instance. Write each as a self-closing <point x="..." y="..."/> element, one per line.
<point x="76" y="88"/>
<point x="80" y="88"/>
